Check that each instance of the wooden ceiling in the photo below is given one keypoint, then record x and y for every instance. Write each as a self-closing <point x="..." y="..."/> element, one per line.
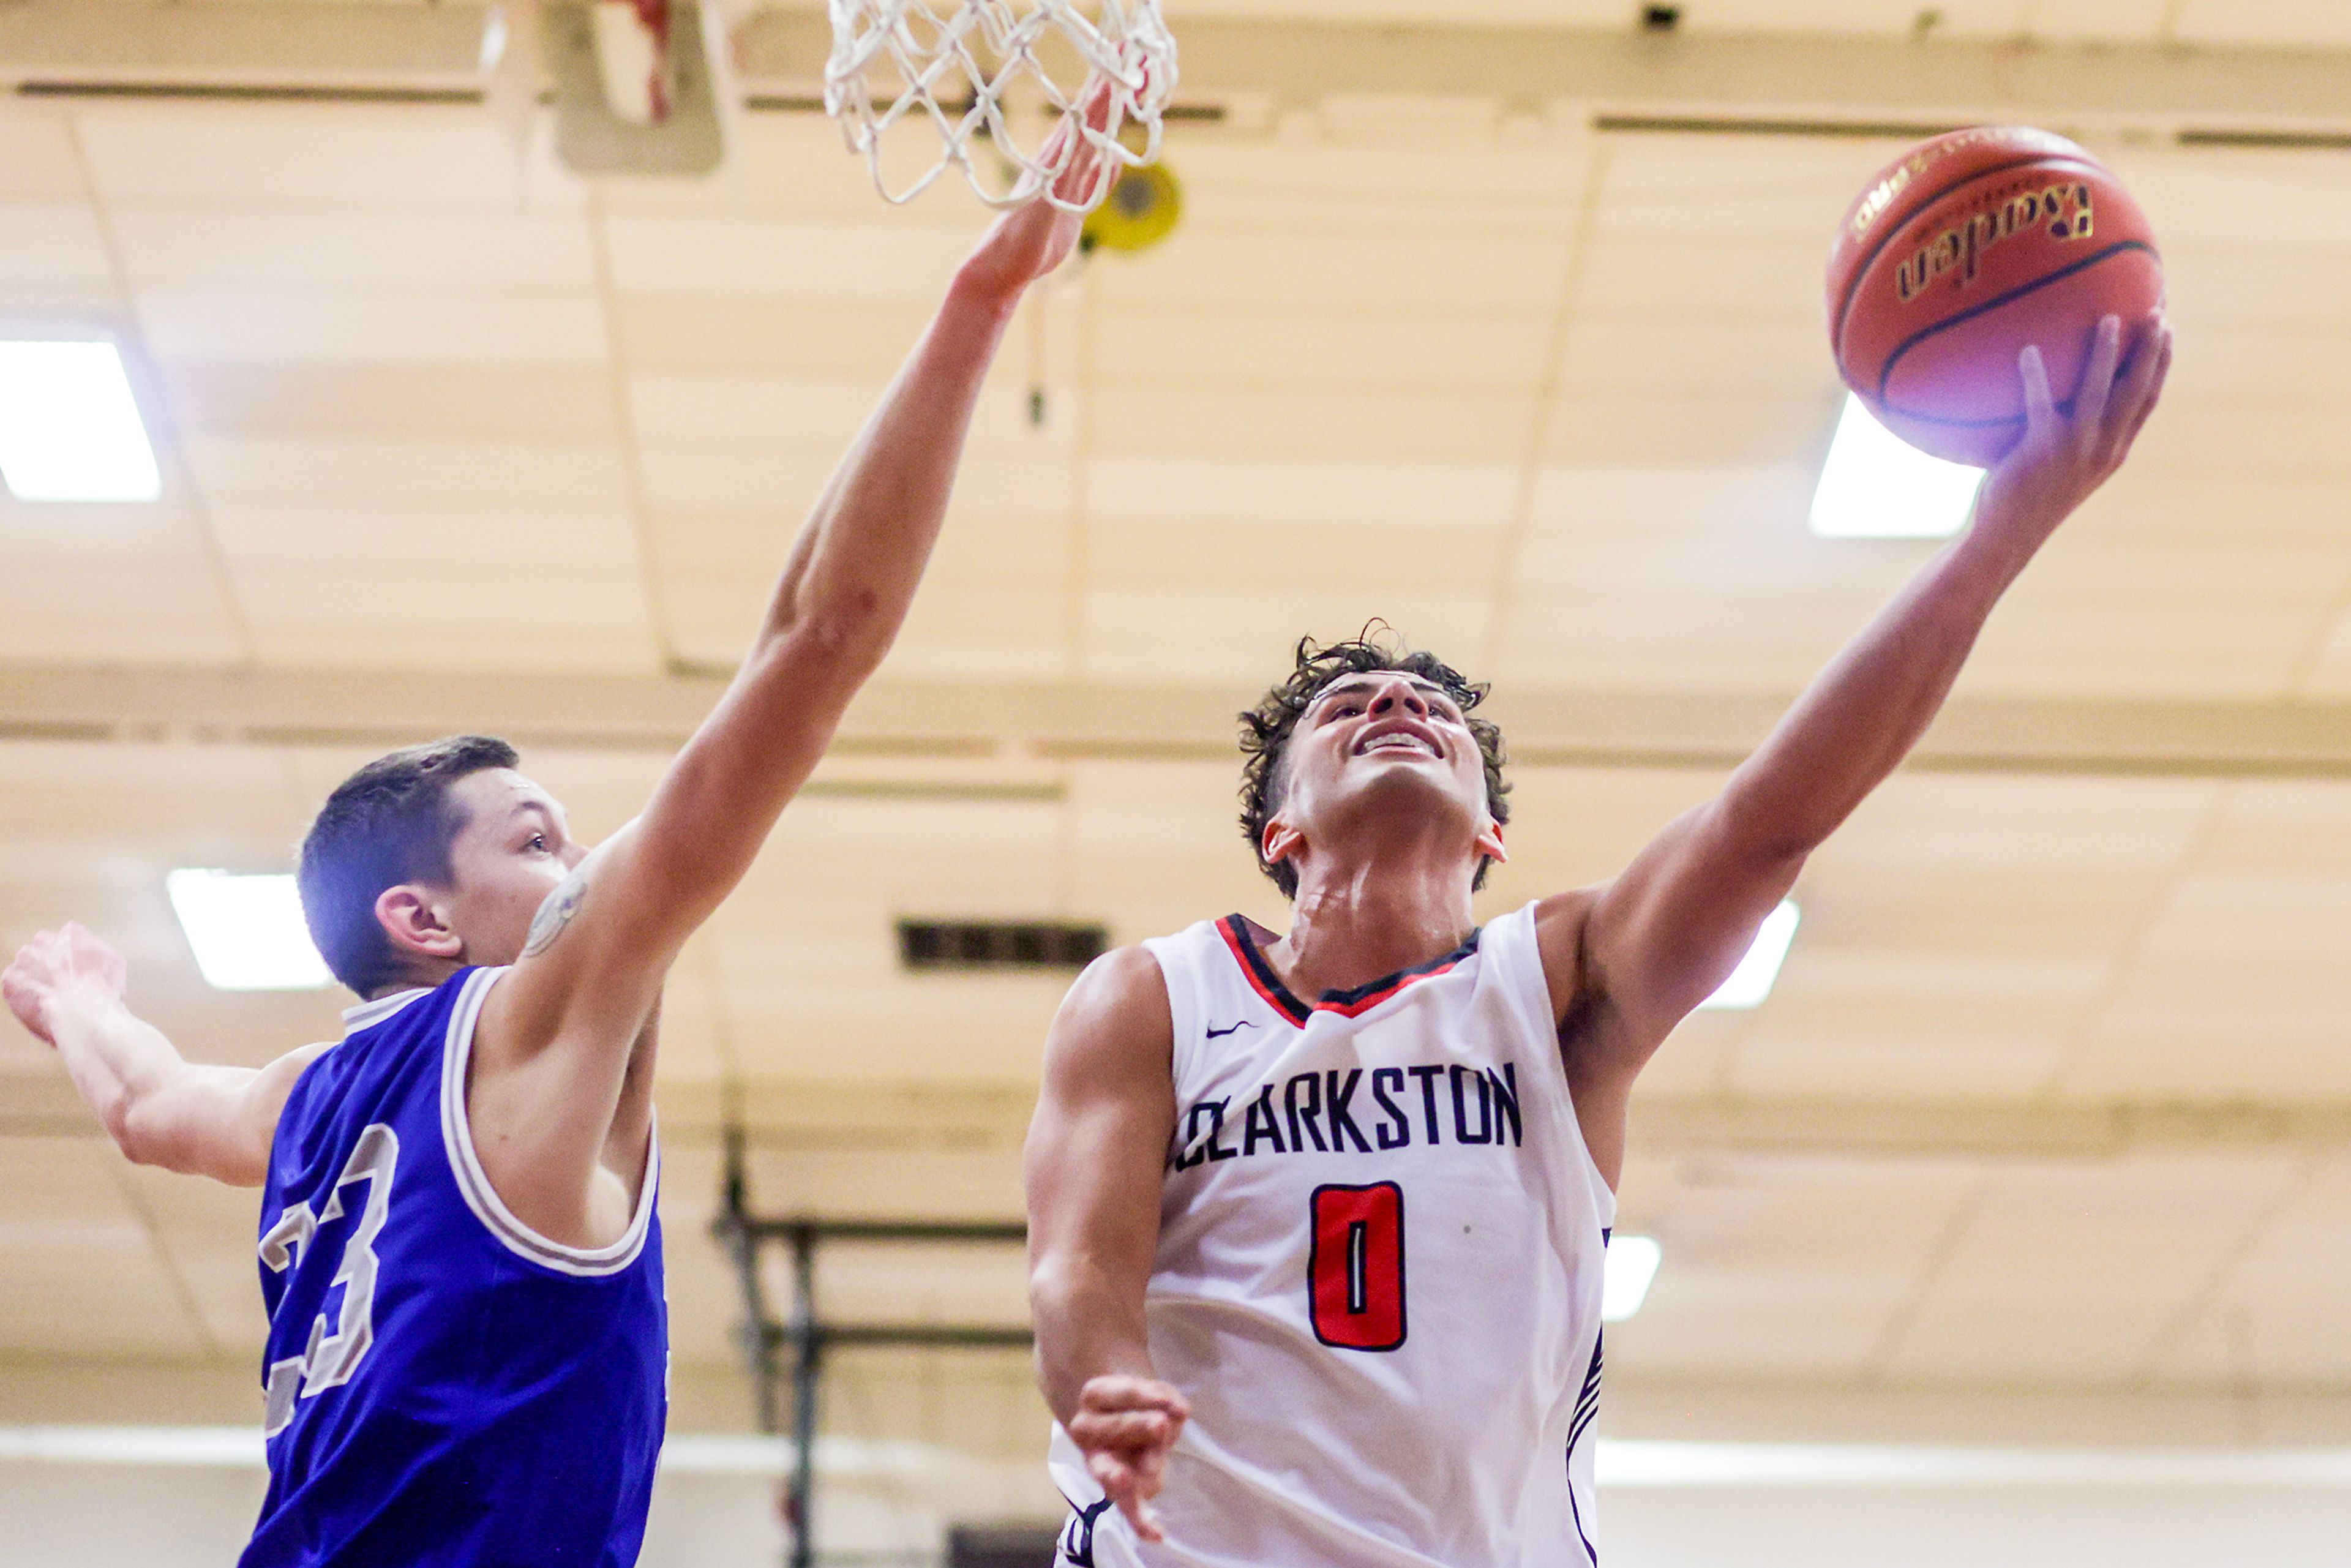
<point x="2054" y="1091"/>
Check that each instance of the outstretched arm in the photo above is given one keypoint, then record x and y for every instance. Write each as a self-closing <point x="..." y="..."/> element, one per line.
<point x="554" y="1052"/>
<point x="1627" y="960"/>
<point x="1096" y="1153"/>
<point x="67" y="988"/>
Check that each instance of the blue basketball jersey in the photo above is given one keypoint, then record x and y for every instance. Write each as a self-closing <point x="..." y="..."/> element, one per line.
<point x="443" y="1385"/>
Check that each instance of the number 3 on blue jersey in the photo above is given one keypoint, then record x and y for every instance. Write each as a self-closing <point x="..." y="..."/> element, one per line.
<point x="332" y="1358"/>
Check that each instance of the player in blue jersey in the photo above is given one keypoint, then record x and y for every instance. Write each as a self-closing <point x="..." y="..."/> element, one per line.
<point x="467" y="1346"/>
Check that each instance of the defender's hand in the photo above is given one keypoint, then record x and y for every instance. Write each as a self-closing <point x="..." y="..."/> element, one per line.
<point x="1125" y="1426"/>
<point x="2059" y="461"/>
<point x="1029" y="242"/>
<point x="55" y="964"/>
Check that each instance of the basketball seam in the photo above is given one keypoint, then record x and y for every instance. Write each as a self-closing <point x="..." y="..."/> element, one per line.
<point x="1861" y="268"/>
<point x="1885" y="375"/>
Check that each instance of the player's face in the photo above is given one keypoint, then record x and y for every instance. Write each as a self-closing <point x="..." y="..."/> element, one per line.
<point x="514" y="850"/>
<point x="1379" y="743"/>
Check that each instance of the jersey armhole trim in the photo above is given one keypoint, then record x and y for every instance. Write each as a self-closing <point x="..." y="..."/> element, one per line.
<point x="473" y="1183"/>
<point x="1533" y="987"/>
<point x="1179" y="976"/>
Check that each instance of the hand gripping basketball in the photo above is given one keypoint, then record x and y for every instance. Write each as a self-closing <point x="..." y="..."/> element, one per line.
<point x="1125" y="1427"/>
<point x="2061" y="460"/>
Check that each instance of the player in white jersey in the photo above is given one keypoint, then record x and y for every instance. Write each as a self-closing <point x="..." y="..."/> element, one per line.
<point x="1317" y="1218"/>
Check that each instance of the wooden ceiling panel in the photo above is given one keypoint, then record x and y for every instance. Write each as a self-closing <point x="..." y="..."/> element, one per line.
<point x="1358" y="268"/>
<point x="338" y="155"/>
<point x="1785" y="1265"/>
<point x="50" y="245"/>
<point x="1662" y="278"/>
<point x="561" y="328"/>
<point x="1879" y="18"/>
<point x="38" y="161"/>
<point x="100" y="581"/>
<point x="1210" y="558"/>
<point x="424" y="618"/>
<point x="79" y="1272"/>
<point x="2197" y="197"/>
<point x="1176" y="422"/>
<point x="558" y="478"/>
<point x="232" y="249"/>
<point x="1360" y="168"/>
<point x="730" y="256"/>
<point x="1319" y="350"/>
<point x="442" y="401"/>
<point x="1774" y="190"/>
<point x="1782" y="357"/>
<point x="2100" y="21"/>
<point x="859" y="339"/>
<point x="2213" y="286"/>
<point x="1229" y="635"/>
<point x="2102" y="612"/>
<point x="2080" y="1271"/>
<point x="2294" y="24"/>
<point x="1442" y="497"/>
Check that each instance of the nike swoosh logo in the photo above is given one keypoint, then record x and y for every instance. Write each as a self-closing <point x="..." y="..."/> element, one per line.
<point x="1220" y="1034"/>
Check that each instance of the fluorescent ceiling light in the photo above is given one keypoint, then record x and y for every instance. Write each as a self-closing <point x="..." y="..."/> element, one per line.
<point x="1631" y="1264"/>
<point x="1751" y="981"/>
<point x="70" y="428"/>
<point x="1876" y="486"/>
<point x="246" y="931"/>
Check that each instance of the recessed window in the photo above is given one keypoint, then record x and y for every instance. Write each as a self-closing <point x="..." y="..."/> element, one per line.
<point x="246" y="931"/>
<point x="1876" y="486"/>
<point x="70" y="428"/>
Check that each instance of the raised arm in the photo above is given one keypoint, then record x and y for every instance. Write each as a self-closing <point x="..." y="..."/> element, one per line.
<point x="1628" y="959"/>
<point x="1097" y="1151"/>
<point x="68" y="987"/>
<point x="557" y="1088"/>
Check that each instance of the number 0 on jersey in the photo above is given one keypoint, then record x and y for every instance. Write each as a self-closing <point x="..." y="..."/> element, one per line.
<point x="1355" y="1269"/>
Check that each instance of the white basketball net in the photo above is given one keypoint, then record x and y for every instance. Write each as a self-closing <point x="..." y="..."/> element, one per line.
<point x="957" y="63"/>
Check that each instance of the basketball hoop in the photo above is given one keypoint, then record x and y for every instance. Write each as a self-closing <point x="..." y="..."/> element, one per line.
<point x="959" y="63"/>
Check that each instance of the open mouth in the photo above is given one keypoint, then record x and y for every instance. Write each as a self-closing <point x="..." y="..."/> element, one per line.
<point x="1397" y="740"/>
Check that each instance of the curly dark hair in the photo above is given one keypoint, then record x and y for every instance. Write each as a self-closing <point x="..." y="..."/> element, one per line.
<point x="1266" y="730"/>
<point x="390" y="822"/>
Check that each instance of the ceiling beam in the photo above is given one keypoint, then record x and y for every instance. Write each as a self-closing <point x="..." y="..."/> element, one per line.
<point x="1105" y="720"/>
<point x="1253" y="66"/>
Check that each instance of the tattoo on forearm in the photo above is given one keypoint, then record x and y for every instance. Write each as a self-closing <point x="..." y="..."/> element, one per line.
<point x="556" y="914"/>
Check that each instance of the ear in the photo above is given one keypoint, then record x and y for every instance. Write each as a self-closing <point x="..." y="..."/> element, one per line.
<point x="417" y="922"/>
<point x="1278" y="840"/>
<point x="1490" y="842"/>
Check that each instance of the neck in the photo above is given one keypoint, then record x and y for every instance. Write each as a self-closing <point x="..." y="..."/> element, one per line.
<point x="421" y="975"/>
<point x="1356" y="921"/>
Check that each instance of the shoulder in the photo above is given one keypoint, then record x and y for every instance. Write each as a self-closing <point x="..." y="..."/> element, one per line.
<point x="1116" y="1011"/>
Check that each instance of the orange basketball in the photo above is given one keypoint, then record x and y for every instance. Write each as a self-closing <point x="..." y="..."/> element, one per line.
<point x="1962" y="252"/>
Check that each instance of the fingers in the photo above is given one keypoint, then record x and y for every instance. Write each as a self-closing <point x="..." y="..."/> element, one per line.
<point x="1126" y="1425"/>
<point x="1120" y="1393"/>
<point x="1120" y="1485"/>
<point x="2097" y="385"/>
<point x="1083" y="170"/>
<point x="2041" y="423"/>
<point x="1125" y="1429"/>
<point x="2142" y="385"/>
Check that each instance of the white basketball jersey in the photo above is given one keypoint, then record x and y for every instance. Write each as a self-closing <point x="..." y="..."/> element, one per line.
<point x="1378" y="1277"/>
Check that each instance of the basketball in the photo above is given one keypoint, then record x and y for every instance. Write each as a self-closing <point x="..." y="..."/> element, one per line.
<point x="1960" y="253"/>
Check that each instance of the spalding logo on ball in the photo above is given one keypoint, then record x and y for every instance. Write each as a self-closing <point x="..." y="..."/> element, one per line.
<point x="1960" y="253"/>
